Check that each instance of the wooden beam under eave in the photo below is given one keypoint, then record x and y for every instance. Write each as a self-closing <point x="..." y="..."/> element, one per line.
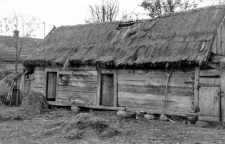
<point x="196" y="86"/>
<point x="214" y="65"/>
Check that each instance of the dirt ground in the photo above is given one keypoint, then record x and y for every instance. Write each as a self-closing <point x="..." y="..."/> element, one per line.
<point x="17" y="128"/>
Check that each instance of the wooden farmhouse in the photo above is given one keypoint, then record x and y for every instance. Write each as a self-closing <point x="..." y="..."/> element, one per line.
<point x="173" y="65"/>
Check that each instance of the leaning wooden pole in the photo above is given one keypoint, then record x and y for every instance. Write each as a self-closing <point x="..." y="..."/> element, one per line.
<point x="196" y="87"/>
<point x="166" y="90"/>
<point x="17" y="97"/>
<point x="222" y="93"/>
<point x="222" y="65"/>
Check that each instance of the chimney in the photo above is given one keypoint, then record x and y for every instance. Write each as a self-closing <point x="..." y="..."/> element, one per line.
<point x="16" y="33"/>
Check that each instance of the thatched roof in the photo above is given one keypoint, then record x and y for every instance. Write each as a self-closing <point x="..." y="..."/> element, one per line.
<point x="177" y="37"/>
<point x="85" y="41"/>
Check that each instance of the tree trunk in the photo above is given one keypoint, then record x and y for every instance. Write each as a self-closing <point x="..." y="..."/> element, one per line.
<point x="16" y="65"/>
<point x="16" y="59"/>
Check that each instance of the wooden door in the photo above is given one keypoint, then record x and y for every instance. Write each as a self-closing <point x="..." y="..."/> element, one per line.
<point x="51" y="86"/>
<point x="209" y="99"/>
<point x="107" y="90"/>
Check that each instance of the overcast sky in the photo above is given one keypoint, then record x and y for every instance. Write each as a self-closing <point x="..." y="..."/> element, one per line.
<point x="62" y="12"/>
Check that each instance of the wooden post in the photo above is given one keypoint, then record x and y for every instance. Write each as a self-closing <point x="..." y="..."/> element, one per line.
<point x="22" y="79"/>
<point x="196" y="87"/>
<point x="115" y="90"/>
<point x="222" y="81"/>
<point x="222" y="94"/>
<point x="17" y="95"/>
<point x="99" y="79"/>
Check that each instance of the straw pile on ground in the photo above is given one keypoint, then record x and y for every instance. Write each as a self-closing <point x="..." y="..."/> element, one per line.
<point x="35" y="103"/>
<point x="82" y="126"/>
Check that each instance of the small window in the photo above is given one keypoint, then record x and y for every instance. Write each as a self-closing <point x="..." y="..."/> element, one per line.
<point x="27" y="76"/>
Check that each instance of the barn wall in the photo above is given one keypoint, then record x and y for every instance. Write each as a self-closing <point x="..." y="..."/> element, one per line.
<point x="146" y="90"/>
<point x="82" y="86"/>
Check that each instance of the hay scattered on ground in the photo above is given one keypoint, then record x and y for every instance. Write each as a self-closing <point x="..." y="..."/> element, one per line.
<point x="4" y="118"/>
<point x="35" y="103"/>
<point x="61" y="112"/>
<point x="12" y="114"/>
<point x="133" y="131"/>
<point x="74" y="134"/>
<point x="83" y="125"/>
<point x="110" y="132"/>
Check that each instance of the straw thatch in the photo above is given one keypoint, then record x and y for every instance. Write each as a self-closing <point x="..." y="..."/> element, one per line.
<point x="178" y="37"/>
<point x="67" y="41"/>
<point x="80" y="126"/>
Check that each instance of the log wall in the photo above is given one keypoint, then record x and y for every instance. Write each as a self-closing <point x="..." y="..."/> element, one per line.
<point x="146" y="90"/>
<point x="82" y="86"/>
<point x="38" y="80"/>
<point x="143" y="90"/>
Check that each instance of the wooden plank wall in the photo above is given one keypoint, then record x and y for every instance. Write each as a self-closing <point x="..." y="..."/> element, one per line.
<point x="146" y="90"/>
<point x="82" y="86"/>
<point x="39" y="80"/>
<point x="209" y="100"/>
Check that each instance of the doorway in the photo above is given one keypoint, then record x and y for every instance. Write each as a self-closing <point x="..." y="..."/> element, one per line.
<point x="209" y="98"/>
<point x="107" y="90"/>
<point x="51" y="86"/>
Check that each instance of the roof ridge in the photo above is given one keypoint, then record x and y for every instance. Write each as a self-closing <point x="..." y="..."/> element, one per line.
<point x="192" y="11"/>
<point x="183" y="12"/>
<point x="90" y="24"/>
<point x="177" y="39"/>
<point x="162" y="16"/>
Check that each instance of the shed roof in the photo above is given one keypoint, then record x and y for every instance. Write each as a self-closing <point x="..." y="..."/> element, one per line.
<point x="8" y="52"/>
<point x="175" y="37"/>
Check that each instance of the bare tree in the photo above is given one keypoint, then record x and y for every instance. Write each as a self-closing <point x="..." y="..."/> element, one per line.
<point x="10" y="27"/>
<point x="159" y="7"/>
<point x="108" y="11"/>
<point x="218" y="2"/>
